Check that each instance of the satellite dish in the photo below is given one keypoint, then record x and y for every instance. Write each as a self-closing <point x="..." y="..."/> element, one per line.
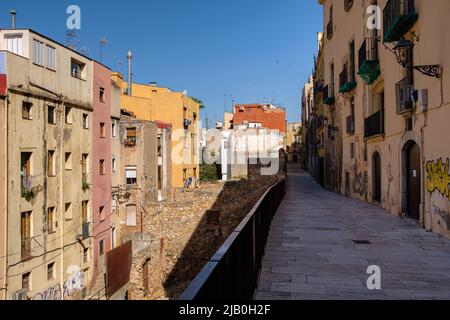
<point x="185" y="92"/>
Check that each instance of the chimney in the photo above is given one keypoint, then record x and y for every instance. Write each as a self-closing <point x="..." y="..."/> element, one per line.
<point x="130" y="82"/>
<point x="13" y="18"/>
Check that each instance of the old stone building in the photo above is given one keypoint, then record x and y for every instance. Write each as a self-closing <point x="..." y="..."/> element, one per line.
<point x="387" y="63"/>
<point x="146" y="167"/>
<point x="154" y="103"/>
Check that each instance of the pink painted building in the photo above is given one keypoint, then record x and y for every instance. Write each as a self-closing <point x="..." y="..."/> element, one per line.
<point x="101" y="167"/>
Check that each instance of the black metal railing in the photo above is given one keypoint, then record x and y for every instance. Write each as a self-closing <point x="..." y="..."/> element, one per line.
<point x="368" y="51"/>
<point x="328" y="91"/>
<point x="330" y="29"/>
<point x="374" y="125"/>
<point x="348" y="5"/>
<point x="403" y="90"/>
<point x="232" y="273"/>
<point x="350" y="124"/>
<point x="343" y="77"/>
<point x="394" y="10"/>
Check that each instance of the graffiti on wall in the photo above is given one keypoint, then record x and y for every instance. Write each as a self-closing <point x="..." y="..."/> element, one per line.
<point x="72" y="285"/>
<point x="360" y="182"/>
<point x="439" y="177"/>
<point x="443" y="214"/>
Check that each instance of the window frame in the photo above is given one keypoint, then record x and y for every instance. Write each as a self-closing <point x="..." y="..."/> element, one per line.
<point x="30" y="114"/>
<point x="48" y="50"/>
<point x="49" y="108"/>
<point x="38" y="52"/>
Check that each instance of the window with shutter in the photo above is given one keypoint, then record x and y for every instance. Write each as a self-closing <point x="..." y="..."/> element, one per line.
<point x="131" y="215"/>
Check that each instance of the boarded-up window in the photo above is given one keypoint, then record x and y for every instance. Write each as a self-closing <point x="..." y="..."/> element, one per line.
<point x="25" y="234"/>
<point x="131" y="215"/>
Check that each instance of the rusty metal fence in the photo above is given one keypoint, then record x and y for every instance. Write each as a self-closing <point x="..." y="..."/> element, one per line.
<point x="232" y="273"/>
<point x="118" y="266"/>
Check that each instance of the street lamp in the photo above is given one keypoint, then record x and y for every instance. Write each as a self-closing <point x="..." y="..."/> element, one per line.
<point x="401" y="51"/>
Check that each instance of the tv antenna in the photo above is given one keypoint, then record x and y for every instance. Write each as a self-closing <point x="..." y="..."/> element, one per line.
<point x="103" y="42"/>
<point x="72" y="39"/>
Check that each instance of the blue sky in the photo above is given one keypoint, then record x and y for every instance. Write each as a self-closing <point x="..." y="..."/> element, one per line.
<point x="254" y="50"/>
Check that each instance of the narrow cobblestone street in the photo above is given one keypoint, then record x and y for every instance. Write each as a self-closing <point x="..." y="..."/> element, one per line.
<point x="312" y="251"/>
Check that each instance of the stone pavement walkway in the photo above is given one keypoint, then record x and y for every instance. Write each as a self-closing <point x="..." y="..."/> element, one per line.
<point x="311" y="253"/>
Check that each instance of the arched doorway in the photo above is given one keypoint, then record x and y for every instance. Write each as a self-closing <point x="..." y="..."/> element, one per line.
<point x="376" y="174"/>
<point x="413" y="180"/>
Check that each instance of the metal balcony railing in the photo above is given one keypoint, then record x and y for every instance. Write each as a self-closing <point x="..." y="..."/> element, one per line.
<point x="232" y="273"/>
<point x="403" y="92"/>
<point x="368" y="63"/>
<point x="374" y="125"/>
<point x="398" y="17"/>
<point x="328" y="94"/>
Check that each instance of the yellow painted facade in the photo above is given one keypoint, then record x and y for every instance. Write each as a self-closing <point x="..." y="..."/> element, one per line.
<point x="154" y="103"/>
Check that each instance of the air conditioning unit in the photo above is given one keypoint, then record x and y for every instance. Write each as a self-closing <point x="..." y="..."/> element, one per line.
<point x="20" y="295"/>
<point x="423" y="100"/>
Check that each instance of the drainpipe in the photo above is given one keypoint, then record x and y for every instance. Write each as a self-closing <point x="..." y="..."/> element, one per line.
<point x="6" y="196"/>
<point x="61" y="196"/>
<point x="422" y="147"/>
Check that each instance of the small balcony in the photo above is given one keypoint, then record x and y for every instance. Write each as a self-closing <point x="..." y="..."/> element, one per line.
<point x="350" y="125"/>
<point x="328" y="94"/>
<point x="330" y="29"/>
<point x="404" y="100"/>
<point x="346" y="80"/>
<point x="399" y="17"/>
<point x="130" y="142"/>
<point x="368" y="63"/>
<point x="374" y="125"/>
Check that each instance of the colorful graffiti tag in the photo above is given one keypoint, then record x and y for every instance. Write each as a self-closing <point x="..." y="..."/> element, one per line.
<point x="72" y="285"/>
<point x="439" y="177"/>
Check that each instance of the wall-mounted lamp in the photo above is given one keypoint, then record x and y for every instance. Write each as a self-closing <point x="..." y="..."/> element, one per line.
<point x="401" y="51"/>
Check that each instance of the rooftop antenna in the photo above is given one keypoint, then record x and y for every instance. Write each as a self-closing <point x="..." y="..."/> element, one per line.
<point x="84" y="50"/>
<point x="13" y="13"/>
<point x="72" y="39"/>
<point x="103" y="42"/>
